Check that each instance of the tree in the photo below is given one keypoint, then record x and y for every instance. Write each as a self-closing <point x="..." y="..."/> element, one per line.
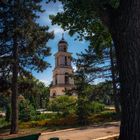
<point x="102" y="67"/>
<point x="5" y="103"/>
<point x="102" y="92"/>
<point x="102" y="21"/>
<point x="82" y="79"/>
<point x="63" y="104"/>
<point x="23" y="44"/>
<point x="34" y="90"/>
<point x="26" y="110"/>
<point x="115" y="81"/>
<point x="5" y="94"/>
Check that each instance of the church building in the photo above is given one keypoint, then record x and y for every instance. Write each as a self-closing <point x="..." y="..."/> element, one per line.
<point x="62" y="72"/>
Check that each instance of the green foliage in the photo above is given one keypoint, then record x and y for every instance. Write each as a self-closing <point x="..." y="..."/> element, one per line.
<point x="96" y="107"/>
<point x="32" y="90"/>
<point x="63" y="104"/>
<point x="26" y="110"/>
<point x="92" y="20"/>
<point x="8" y="113"/>
<point x="102" y="92"/>
<point x="88" y="19"/>
<point x="70" y="121"/>
<point x="3" y="123"/>
<point x="35" y="91"/>
<point x="26" y="32"/>
<point x="58" y="121"/>
<point x="5" y="103"/>
<point x="23" y="44"/>
<point x="105" y="116"/>
<point x="83" y="103"/>
<point x="45" y="116"/>
<point x="82" y="111"/>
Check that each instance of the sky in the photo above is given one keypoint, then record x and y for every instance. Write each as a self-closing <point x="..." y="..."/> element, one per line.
<point x="73" y="46"/>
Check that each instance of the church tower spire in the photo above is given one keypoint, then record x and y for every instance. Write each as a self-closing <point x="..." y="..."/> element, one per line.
<point x="62" y="71"/>
<point x="62" y="36"/>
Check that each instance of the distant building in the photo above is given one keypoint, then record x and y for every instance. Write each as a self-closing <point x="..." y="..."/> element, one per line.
<point x="62" y="72"/>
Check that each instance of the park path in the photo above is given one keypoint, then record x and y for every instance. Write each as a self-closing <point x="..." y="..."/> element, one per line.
<point x="84" y="133"/>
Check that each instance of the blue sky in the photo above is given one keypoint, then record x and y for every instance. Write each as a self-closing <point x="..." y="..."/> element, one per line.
<point x="73" y="46"/>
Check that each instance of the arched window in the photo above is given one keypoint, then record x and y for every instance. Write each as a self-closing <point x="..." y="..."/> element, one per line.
<point x="57" y="61"/>
<point x="69" y="61"/>
<point x="65" y="60"/>
<point x="66" y="78"/>
<point x="54" y="95"/>
<point x="65" y="49"/>
<point x="56" y="79"/>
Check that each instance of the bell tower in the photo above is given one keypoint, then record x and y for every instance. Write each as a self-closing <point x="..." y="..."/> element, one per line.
<point x="61" y="74"/>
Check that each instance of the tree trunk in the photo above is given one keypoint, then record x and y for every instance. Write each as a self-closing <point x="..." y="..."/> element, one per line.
<point x="126" y="35"/>
<point x="115" y="93"/>
<point x="14" y="97"/>
<point x="8" y="113"/>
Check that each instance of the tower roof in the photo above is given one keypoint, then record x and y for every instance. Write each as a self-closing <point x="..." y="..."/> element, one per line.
<point x="62" y="40"/>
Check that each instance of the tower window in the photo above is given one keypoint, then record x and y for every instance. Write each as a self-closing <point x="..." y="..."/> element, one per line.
<point x="62" y="48"/>
<point x="54" y="95"/>
<point x="66" y="78"/>
<point x="65" y="60"/>
<point x="57" y="62"/>
<point x="65" y="49"/>
<point x="56" y="80"/>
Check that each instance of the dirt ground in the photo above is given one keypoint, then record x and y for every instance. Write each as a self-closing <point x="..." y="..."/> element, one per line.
<point x="84" y="133"/>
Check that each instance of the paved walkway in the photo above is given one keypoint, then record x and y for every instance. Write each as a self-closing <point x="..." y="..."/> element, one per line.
<point x="85" y="133"/>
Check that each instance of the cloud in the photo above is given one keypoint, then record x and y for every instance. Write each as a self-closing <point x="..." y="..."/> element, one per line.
<point x="60" y="8"/>
<point x="52" y="8"/>
<point x="45" y="81"/>
<point x="56" y="29"/>
<point x="74" y="67"/>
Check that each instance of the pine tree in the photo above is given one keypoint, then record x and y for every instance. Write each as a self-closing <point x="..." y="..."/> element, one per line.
<point x="23" y="44"/>
<point x="102" y="66"/>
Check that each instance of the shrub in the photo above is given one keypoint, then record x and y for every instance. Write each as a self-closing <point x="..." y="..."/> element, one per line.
<point x="63" y="105"/>
<point x="96" y="107"/>
<point x="32" y="124"/>
<point x="3" y="123"/>
<point x="83" y="110"/>
<point x="66" y="121"/>
<point x="26" y="110"/>
<point x="104" y="116"/>
<point x="40" y="117"/>
<point x="44" y="116"/>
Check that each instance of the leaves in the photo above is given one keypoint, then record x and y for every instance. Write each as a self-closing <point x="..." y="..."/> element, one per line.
<point x="19" y="20"/>
<point x="89" y="20"/>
